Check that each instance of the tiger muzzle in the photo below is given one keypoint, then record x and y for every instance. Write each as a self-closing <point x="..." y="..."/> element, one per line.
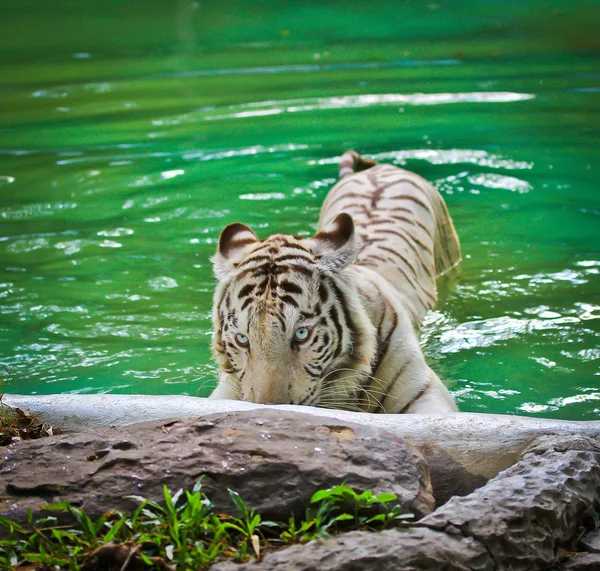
<point x="270" y="389"/>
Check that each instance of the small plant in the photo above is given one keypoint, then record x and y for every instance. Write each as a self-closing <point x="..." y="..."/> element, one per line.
<point x="358" y="509"/>
<point x="249" y="526"/>
<point x="183" y="533"/>
<point x="341" y="509"/>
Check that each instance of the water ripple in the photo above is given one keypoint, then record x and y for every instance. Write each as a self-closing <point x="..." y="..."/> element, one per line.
<point x="262" y="108"/>
<point x="441" y="157"/>
<point x="307" y="68"/>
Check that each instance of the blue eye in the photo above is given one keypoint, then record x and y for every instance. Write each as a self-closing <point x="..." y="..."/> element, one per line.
<point x="241" y="340"/>
<point x="302" y="334"/>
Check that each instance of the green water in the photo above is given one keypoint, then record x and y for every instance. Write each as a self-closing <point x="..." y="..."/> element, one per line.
<point x="132" y="132"/>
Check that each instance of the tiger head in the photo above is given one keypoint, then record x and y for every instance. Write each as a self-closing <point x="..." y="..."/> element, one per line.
<point x="288" y="325"/>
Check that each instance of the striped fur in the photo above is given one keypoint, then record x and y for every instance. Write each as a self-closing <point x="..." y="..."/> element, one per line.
<point x="332" y="320"/>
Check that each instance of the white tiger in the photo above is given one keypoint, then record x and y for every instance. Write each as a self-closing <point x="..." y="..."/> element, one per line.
<point x="332" y="320"/>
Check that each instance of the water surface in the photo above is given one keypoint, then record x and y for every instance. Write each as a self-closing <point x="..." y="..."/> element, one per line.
<point x="131" y="133"/>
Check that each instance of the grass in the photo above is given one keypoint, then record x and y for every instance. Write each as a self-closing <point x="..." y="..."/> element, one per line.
<point x="183" y="533"/>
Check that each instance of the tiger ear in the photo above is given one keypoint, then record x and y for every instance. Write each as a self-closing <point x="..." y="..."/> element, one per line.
<point x="234" y="242"/>
<point x="337" y="244"/>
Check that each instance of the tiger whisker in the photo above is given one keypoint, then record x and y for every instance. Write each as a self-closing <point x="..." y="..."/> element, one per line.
<point x="338" y="370"/>
<point x="203" y="385"/>
<point x="330" y="391"/>
<point x="354" y="401"/>
<point x="340" y="406"/>
<point x="361" y="373"/>
<point x="369" y="401"/>
<point x="372" y="390"/>
<point x="233" y="384"/>
<point x="380" y="393"/>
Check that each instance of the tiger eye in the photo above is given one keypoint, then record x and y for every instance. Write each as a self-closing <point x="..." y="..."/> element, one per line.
<point x="242" y="340"/>
<point x="302" y="334"/>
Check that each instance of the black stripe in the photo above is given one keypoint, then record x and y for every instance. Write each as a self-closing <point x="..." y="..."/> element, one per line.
<point x="416" y="397"/>
<point x="342" y="196"/>
<point x="245" y="290"/>
<point x="413" y="199"/>
<point x="406" y="236"/>
<point x="323" y="293"/>
<point x="313" y="371"/>
<point x="401" y="209"/>
<point x="288" y="244"/>
<point x="419" y="298"/>
<point x="298" y="268"/>
<point x="418" y="281"/>
<point x="342" y="298"/>
<point x="325" y="342"/>
<point x="334" y="316"/>
<point x="289" y="299"/>
<point x="256" y="271"/>
<point x="368" y="262"/>
<point x="280" y="319"/>
<point x="399" y="255"/>
<point x="414" y="221"/>
<point x="399" y="372"/>
<point x="286" y="257"/>
<point x="383" y="345"/>
<point x="219" y="303"/>
<point x="276" y="269"/>
<point x="250" y="259"/>
<point x="321" y="351"/>
<point x="290" y="287"/>
<point x="262" y="247"/>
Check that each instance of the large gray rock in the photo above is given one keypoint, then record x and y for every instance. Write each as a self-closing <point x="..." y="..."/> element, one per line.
<point x="524" y="514"/>
<point x="591" y="541"/>
<point x="392" y="550"/>
<point x="276" y="460"/>
<point x="463" y="450"/>
<point x="580" y="562"/>
<point x="517" y="521"/>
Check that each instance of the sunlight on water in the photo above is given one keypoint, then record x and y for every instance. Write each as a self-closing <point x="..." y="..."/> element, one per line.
<point x="363" y="101"/>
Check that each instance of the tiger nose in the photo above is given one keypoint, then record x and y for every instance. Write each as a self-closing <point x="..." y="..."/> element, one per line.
<point x="271" y="389"/>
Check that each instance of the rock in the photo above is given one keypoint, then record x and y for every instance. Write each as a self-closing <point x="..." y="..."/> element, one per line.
<point x="276" y="460"/>
<point x="516" y="521"/>
<point x="591" y="541"/>
<point x="393" y="550"/>
<point x="463" y="450"/>
<point x="563" y="443"/>
<point x="448" y="477"/>
<point x="580" y="562"/>
<point x="524" y="514"/>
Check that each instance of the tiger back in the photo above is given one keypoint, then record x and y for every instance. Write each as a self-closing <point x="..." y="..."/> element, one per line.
<point x="405" y="230"/>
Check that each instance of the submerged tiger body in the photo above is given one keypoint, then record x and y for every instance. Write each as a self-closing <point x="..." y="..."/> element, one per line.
<point x="333" y="320"/>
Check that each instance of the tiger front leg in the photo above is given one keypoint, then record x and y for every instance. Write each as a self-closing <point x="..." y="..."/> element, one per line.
<point x="436" y="400"/>
<point x="403" y="382"/>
